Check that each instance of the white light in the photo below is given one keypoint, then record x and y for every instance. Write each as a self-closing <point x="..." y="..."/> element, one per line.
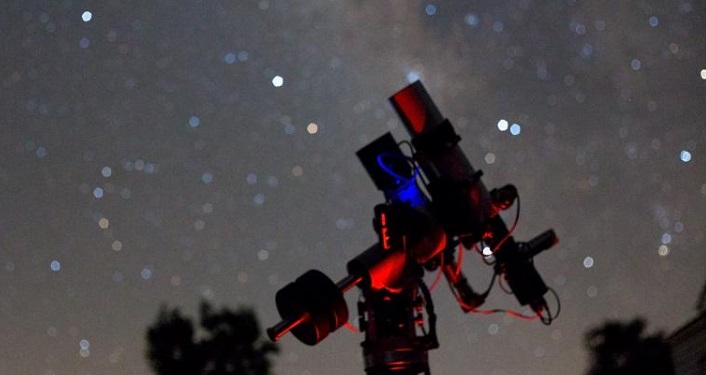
<point x="685" y="156"/>
<point x="103" y="223"/>
<point x="515" y="129"/>
<point x="493" y="329"/>
<point x="635" y="64"/>
<point x="503" y="125"/>
<point x="277" y="81"/>
<point x="106" y="172"/>
<point x="487" y="251"/>
<point x="86" y="16"/>
<point x="263" y="254"/>
<point x="663" y="250"/>
<point x="703" y="74"/>
<point x="199" y="224"/>
<point x="84" y="344"/>
<point x="588" y="262"/>
<point x="312" y="128"/>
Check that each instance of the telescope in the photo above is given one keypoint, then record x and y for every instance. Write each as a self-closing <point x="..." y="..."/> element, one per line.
<point x="435" y="205"/>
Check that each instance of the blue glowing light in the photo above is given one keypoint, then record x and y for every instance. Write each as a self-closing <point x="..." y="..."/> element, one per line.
<point x="41" y="152"/>
<point x="194" y="121"/>
<point x="515" y="129"/>
<point x="472" y="19"/>
<point x="685" y="156"/>
<point x="413" y="76"/>
<point x="407" y="190"/>
<point x="146" y="273"/>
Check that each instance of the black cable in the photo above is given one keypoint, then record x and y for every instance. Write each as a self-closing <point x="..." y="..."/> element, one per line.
<point x="502" y="286"/>
<point x="558" y="303"/>
<point x="434" y="340"/>
<point x="492" y="282"/>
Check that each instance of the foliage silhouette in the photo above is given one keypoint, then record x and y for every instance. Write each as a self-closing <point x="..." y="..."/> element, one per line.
<point x="622" y="348"/>
<point x="228" y="342"/>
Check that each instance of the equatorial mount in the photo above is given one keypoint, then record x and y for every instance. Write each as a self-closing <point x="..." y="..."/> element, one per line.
<point x="434" y="201"/>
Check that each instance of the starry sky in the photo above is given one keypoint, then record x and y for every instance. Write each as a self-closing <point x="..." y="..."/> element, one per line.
<point x="161" y="151"/>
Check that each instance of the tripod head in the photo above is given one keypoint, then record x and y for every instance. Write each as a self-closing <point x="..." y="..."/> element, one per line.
<point x="434" y="201"/>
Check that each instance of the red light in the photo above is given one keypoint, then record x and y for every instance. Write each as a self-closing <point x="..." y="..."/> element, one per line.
<point x="384" y="236"/>
<point x="412" y="108"/>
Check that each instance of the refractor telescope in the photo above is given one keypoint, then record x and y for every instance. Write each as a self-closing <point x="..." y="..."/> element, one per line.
<point x="435" y="205"/>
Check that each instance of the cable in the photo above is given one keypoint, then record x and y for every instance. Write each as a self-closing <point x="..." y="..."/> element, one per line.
<point x="438" y="274"/>
<point x="459" y="260"/>
<point x="414" y="162"/>
<point x="502" y="286"/>
<point x="351" y="327"/>
<point x="512" y="229"/>
<point x="549" y="318"/>
<point x="558" y="303"/>
<point x="490" y="286"/>
<point x="392" y="173"/>
<point x="433" y="339"/>
<point x="408" y="144"/>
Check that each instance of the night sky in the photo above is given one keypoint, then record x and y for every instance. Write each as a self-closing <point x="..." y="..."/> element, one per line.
<point x="161" y="151"/>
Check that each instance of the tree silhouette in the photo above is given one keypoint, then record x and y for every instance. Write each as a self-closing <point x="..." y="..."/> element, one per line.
<point x="229" y="342"/>
<point x="620" y="348"/>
